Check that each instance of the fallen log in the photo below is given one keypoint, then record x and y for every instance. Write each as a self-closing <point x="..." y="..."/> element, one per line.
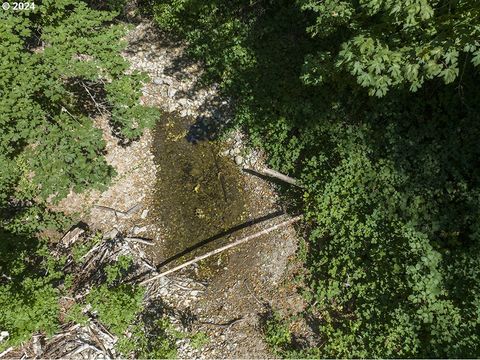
<point x="275" y="174"/>
<point x="69" y="238"/>
<point x="223" y="248"/>
<point x="140" y="240"/>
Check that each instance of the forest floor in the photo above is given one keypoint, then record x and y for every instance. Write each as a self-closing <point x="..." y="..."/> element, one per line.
<point x="229" y="297"/>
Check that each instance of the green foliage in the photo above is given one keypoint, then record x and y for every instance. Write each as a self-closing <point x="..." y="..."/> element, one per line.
<point x="28" y="307"/>
<point x="277" y="332"/>
<point x="151" y="341"/>
<point x="199" y="340"/>
<point x="119" y="307"/>
<point x="28" y="296"/>
<point x="116" y="307"/>
<point x="127" y="114"/>
<point x="76" y="315"/>
<point x="115" y="271"/>
<point x="116" y="304"/>
<point x="388" y="44"/>
<point x="30" y="291"/>
<point x="80" y="249"/>
<point x="281" y="340"/>
<point x="33" y="282"/>
<point x="50" y="145"/>
<point x="391" y="177"/>
<point x="52" y="55"/>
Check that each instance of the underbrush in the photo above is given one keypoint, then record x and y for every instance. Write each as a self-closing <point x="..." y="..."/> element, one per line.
<point x="49" y="289"/>
<point x="381" y="129"/>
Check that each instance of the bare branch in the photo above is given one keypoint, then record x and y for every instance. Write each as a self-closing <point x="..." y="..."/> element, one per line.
<point x="223" y="248"/>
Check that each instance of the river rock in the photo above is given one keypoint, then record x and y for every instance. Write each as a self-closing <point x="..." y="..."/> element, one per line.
<point x="167" y="80"/>
<point x="234" y="151"/>
<point x="238" y="160"/>
<point x="138" y="230"/>
<point x="172" y="107"/>
<point x="171" y="92"/>
<point x="183" y="102"/>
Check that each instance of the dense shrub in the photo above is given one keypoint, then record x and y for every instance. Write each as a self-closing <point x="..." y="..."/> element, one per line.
<point x="28" y="297"/>
<point x="373" y="105"/>
<point x="386" y="44"/>
<point x="60" y="68"/>
<point x="54" y="60"/>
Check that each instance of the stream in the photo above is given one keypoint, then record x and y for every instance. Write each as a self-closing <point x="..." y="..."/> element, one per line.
<point x="199" y="192"/>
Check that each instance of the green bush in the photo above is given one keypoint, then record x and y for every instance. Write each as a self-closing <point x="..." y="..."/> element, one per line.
<point x="373" y="105"/>
<point x="199" y="340"/>
<point x="116" y="307"/>
<point x="28" y="307"/>
<point x="28" y="295"/>
<point x="388" y="44"/>
<point x="49" y="144"/>
<point x="277" y="332"/>
<point x="53" y="55"/>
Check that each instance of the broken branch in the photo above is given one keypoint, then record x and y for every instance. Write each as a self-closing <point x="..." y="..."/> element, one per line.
<point x="140" y="240"/>
<point x="275" y="174"/>
<point x="223" y="248"/>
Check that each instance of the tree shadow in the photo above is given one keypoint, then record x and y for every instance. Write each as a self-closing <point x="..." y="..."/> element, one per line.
<point x="212" y="126"/>
<point x="221" y="235"/>
<point x="158" y="308"/>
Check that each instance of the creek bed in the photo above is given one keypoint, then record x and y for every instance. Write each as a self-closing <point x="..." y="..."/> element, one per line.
<point x="199" y="192"/>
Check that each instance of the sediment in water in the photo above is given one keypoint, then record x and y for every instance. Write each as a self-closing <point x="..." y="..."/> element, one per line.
<point x="199" y="192"/>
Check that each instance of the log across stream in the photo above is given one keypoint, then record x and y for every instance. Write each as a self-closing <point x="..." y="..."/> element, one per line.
<point x="199" y="193"/>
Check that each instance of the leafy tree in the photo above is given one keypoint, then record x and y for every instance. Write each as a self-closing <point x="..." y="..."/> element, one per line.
<point x="373" y="105"/>
<point x="60" y="68"/>
<point x="57" y="59"/>
<point x="387" y="44"/>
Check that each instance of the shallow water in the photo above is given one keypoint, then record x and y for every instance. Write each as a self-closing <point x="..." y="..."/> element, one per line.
<point x="199" y="193"/>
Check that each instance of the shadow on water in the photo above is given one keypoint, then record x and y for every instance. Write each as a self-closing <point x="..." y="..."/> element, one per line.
<point x="221" y="235"/>
<point x="199" y="193"/>
<point x="209" y="127"/>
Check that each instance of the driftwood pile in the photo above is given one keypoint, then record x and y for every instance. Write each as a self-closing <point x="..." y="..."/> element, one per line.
<point x="92" y="340"/>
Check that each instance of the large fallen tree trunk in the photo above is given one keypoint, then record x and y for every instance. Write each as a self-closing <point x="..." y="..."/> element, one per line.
<point x="226" y="247"/>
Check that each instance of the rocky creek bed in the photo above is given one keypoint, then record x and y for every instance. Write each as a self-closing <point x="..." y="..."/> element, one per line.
<point x="187" y="190"/>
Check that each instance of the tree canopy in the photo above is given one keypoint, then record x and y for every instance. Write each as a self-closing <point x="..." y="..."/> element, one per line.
<point x="374" y="106"/>
<point x="60" y="69"/>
